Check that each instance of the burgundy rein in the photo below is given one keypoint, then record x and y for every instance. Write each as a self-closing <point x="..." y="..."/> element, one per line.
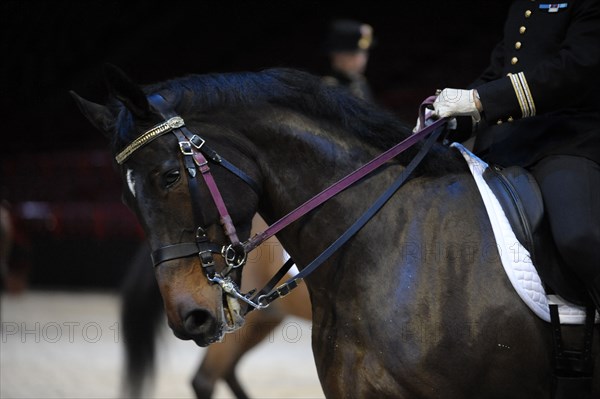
<point x="348" y="180"/>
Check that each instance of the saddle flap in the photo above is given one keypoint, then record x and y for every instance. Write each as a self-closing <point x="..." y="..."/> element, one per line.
<point x="520" y="197"/>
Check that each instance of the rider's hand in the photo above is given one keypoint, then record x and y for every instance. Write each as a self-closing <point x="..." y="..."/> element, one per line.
<point x="456" y="102"/>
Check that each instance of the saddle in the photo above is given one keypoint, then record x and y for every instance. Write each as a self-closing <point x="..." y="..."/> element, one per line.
<point x="521" y="199"/>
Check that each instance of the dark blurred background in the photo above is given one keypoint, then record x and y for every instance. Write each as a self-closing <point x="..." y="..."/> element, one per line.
<point x="56" y="177"/>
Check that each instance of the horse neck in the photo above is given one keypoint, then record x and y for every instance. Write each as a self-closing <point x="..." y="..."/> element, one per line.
<point x="299" y="159"/>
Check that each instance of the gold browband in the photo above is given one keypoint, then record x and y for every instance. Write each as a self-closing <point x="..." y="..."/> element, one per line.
<point x="165" y="127"/>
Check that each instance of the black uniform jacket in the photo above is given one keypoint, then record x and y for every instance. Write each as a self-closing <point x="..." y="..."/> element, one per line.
<point x="541" y="91"/>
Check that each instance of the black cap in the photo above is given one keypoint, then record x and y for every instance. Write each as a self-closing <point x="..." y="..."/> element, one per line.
<point x="349" y="35"/>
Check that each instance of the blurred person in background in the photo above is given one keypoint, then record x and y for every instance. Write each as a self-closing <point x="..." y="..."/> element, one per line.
<point x="347" y="46"/>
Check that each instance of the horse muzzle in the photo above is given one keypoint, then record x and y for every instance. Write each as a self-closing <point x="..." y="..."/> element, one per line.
<point x="198" y="325"/>
<point x="205" y="327"/>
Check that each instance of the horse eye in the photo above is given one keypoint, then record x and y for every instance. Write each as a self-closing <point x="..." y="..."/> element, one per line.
<point x="171" y="177"/>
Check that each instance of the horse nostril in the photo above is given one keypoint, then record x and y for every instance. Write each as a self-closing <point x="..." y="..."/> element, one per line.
<point x="200" y="323"/>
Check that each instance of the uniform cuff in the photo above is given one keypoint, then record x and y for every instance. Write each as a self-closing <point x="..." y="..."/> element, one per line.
<point x="506" y="99"/>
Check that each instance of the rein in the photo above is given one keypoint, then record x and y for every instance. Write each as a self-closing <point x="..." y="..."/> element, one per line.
<point x="196" y="157"/>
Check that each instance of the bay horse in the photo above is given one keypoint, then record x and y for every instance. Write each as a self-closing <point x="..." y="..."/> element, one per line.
<point x="415" y="305"/>
<point x="142" y="315"/>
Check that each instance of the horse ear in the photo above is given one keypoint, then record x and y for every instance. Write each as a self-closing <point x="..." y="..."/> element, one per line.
<point x="99" y="115"/>
<point x="126" y="91"/>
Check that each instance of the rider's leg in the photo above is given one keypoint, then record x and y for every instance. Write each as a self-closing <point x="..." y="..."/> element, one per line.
<point x="571" y="189"/>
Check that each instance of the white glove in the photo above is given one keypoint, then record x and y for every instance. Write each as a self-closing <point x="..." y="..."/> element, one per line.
<point x="456" y="102"/>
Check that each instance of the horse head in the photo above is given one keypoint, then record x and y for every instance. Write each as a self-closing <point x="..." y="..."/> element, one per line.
<point x="164" y="189"/>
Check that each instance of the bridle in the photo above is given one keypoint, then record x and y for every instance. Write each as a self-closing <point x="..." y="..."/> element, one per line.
<point x="196" y="157"/>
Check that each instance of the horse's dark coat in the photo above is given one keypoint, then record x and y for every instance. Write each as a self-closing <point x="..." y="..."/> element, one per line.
<point x="416" y="305"/>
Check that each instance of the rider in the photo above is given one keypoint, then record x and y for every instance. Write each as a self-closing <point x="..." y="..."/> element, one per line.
<point x="348" y="45"/>
<point x="537" y="106"/>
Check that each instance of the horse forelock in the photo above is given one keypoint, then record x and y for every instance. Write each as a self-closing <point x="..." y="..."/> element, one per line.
<point x="125" y="127"/>
<point x="289" y="89"/>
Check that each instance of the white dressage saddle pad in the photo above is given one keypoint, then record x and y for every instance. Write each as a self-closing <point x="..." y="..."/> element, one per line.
<point x="516" y="259"/>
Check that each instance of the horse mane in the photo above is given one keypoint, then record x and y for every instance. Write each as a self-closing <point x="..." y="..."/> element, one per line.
<point x="303" y="92"/>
